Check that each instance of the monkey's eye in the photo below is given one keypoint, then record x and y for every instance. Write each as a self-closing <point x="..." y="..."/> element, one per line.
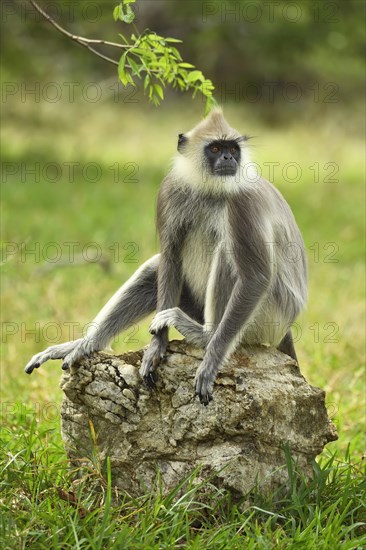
<point x="233" y="150"/>
<point x="214" y="149"/>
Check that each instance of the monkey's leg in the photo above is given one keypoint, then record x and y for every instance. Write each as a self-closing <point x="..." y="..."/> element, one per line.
<point x="134" y="300"/>
<point x="219" y="288"/>
<point x="287" y="345"/>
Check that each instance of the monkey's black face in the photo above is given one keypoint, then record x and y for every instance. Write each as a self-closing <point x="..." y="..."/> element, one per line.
<point x="223" y="157"/>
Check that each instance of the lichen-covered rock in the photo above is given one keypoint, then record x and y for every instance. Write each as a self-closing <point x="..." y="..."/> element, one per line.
<point x="261" y="401"/>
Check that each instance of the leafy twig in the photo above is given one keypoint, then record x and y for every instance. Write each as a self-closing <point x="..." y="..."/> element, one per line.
<point x="148" y="57"/>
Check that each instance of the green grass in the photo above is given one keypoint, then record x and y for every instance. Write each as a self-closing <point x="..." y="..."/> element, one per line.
<point x="41" y="299"/>
<point x="44" y="507"/>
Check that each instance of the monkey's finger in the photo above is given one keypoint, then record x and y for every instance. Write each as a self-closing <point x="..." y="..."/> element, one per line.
<point x="66" y="365"/>
<point x="60" y="351"/>
<point x="36" y="361"/>
<point x="204" y="397"/>
<point x="150" y="379"/>
<point x="30" y="368"/>
<point x="203" y="388"/>
<point x="75" y="355"/>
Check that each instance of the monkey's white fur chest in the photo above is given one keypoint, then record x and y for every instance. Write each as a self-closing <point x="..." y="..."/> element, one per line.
<point x="199" y="249"/>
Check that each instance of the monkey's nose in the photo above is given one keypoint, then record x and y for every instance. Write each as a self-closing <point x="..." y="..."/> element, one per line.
<point x="226" y="157"/>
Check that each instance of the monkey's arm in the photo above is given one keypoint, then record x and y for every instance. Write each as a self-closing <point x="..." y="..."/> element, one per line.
<point x="245" y="299"/>
<point x="134" y="300"/>
<point x="169" y="292"/>
<point x="251" y="230"/>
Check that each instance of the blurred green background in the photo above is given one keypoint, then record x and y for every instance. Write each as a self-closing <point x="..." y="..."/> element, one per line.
<point x="82" y="160"/>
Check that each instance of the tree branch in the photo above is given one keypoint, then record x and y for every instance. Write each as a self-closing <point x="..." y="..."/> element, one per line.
<point x="80" y="39"/>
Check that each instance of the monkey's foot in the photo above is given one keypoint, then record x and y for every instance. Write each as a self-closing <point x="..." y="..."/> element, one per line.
<point x="60" y="351"/>
<point x="204" y="382"/>
<point x="175" y="317"/>
<point x="165" y="318"/>
<point x="151" y="360"/>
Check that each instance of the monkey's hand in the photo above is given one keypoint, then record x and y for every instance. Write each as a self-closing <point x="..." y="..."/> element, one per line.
<point x="85" y="347"/>
<point x="204" y="381"/>
<point x="151" y="359"/>
<point x="60" y="351"/>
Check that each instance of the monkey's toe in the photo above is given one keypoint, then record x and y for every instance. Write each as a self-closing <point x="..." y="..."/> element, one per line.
<point x="156" y="325"/>
<point x="162" y="319"/>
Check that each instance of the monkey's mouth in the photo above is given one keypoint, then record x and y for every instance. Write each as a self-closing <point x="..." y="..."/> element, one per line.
<point x="225" y="170"/>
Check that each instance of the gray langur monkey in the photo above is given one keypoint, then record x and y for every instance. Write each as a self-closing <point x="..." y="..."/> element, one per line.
<point x="223" y="275"/>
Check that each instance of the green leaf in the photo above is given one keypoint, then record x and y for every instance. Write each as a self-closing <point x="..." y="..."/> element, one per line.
<point x="130" y="80"/>
<point x="129" y="16"/>
<point x="123" y="78"/>
<point x="186" y="65"/>
<point x="193" y="76"/>
<point x="159" y="90"/>
<point x="135" y="67"/>
<point x="158" y="64"/>
<point x="208" y="85"/>
<point x="118" y="12"/>
<point x="174" y="53"/>
<point x="181" y="83"/>
<point x="143" y="52"/>
<point x="124" y="12"/>
<point x="122" y="62"/>
<point x="174" y="40"/>
<point x="146" y="81"/>
<point x="123" y="75"/>
<point x="150" y="37"/>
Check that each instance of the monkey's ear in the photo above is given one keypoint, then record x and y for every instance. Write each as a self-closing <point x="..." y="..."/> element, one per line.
<point x="181" y="141"/>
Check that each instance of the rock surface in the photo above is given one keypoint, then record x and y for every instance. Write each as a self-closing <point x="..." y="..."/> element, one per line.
<point x="261" y="401"/>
